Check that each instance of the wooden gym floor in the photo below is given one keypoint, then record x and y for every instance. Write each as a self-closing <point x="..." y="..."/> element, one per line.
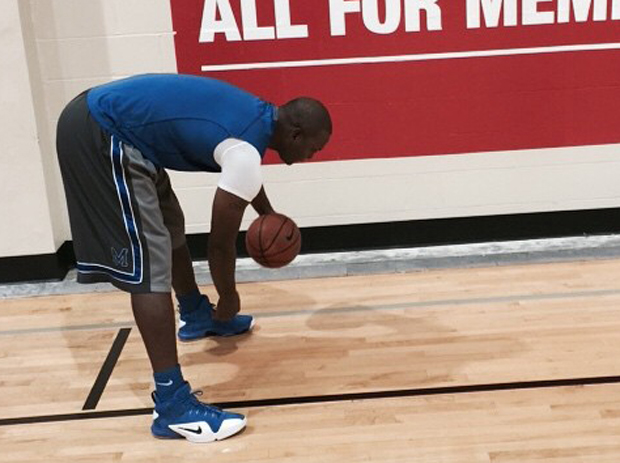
<point x="504" y="364"/>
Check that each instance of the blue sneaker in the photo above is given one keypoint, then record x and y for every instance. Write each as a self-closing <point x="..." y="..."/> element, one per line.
<point x="200" y="323"/>
<point x="184" y="416"/>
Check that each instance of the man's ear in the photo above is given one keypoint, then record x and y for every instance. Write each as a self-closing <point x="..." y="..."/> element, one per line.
<point x="296" y="132"/>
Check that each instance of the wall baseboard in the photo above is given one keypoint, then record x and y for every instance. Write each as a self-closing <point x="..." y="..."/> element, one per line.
<point x="40" y="267"/>
<point x="388" y="235"/>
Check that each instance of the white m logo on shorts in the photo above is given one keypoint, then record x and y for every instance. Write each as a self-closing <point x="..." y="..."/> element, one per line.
<point x="121" y="259"/>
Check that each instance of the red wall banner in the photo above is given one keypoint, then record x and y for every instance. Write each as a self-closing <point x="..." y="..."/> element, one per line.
<point x="420" y="77"/>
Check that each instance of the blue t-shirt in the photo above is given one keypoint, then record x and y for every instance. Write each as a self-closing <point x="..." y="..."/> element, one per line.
<point x="177" y="121"/>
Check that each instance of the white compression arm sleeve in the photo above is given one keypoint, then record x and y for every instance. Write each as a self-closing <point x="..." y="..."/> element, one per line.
<point x="240" y="163"/>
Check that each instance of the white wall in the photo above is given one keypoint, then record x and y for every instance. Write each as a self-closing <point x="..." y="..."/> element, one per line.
<point x="60" y="47"/>
<point x="431" y="187"/>
<point x="24" y="208"/>
<point x="54" y="49"/>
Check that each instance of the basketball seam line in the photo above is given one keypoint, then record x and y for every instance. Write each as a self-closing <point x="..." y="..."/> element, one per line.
<point x="285" y="249"/>
<point x="275" y="236"/>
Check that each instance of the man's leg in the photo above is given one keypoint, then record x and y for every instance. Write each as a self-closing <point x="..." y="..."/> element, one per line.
<point x="183" y="278"/>
<point x="177" y="411"/>
<point x="154" y="315"/>
<point x="196" y="311"/>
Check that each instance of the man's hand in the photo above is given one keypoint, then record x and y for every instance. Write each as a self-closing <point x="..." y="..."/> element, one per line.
<point x="227" y="307"/>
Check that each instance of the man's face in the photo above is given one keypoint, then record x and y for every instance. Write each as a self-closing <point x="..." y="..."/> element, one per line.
<point x="299" y="147"/>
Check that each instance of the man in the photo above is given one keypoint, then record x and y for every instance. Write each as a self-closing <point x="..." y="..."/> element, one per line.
<point x="114" y="143"/>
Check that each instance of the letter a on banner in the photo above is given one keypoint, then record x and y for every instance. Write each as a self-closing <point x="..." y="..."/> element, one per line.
<point x="227" y="24"/>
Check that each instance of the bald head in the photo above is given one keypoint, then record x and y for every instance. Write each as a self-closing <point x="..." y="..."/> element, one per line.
<point x="309" y="114"/>
<point x="304" y="127"/>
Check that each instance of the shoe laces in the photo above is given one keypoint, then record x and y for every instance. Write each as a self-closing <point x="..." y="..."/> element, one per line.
<point x="201" y="407"/>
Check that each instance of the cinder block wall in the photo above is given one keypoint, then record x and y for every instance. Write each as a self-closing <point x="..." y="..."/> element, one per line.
<point x="54" y="49"/>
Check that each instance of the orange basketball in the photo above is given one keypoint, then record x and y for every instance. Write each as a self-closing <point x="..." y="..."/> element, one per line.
<point x="273" y="240"/>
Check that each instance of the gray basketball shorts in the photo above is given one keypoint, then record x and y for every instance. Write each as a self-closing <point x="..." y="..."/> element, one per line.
<point x="125" y="219"/>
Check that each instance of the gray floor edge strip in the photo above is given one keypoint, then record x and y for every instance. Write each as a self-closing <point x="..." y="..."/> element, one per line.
<point x="353" y="309"/>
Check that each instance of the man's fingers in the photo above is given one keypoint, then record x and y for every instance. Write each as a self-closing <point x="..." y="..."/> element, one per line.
<point x="223" y="316"/>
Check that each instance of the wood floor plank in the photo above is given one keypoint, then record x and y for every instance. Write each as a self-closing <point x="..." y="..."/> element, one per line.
<point x="337" y="336"/>
<point x="374" y="350"/>
<point x="561" y="425"/>
<point x="49" y="373"/>
<point x="321" y="293"/>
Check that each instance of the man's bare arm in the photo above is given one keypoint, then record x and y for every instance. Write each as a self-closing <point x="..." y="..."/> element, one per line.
<point x="261" y="203"/>
<point x="226" y="218"/>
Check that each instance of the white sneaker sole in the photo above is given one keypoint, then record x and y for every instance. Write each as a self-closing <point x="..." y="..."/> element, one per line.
<point x="201" y="433"/>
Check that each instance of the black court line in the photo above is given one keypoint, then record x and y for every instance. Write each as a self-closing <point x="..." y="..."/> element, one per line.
<point x="106" y="369"/>
<point x="333" y="398"/>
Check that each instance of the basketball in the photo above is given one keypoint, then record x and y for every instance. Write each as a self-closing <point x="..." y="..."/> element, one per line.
<point x="273" y="240"/>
